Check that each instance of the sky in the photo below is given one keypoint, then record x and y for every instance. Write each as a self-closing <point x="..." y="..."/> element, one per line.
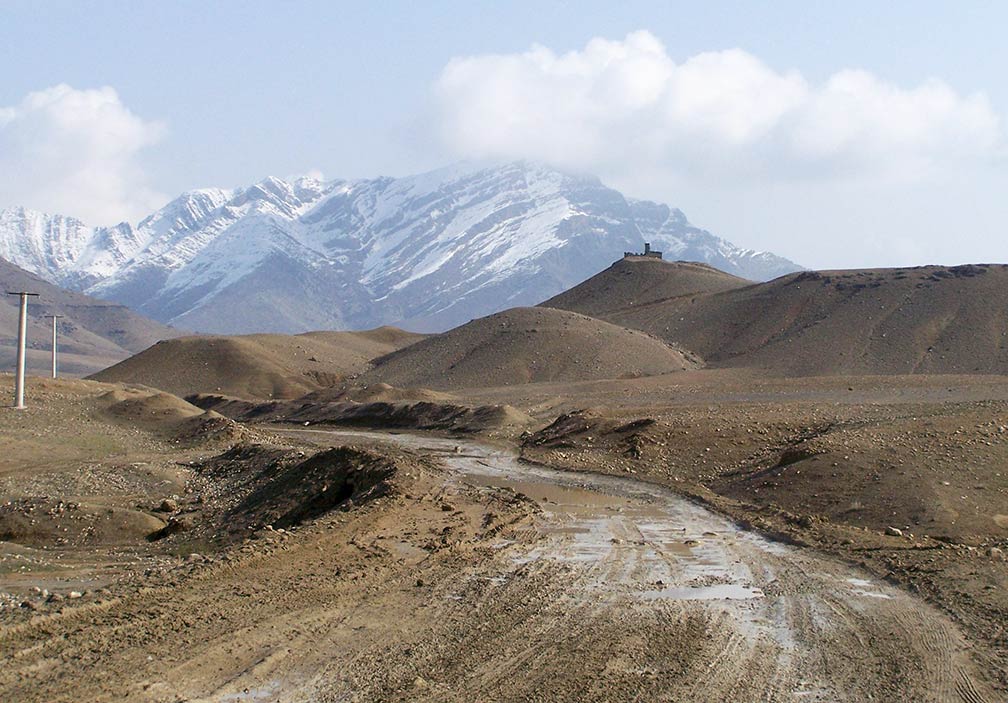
<point x="839" y="135"/>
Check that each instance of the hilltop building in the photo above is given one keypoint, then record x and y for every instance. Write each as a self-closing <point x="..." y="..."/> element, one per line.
<point x="647" y="252"/>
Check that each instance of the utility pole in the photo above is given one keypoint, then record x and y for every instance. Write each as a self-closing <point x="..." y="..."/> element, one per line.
<point x="54" y="318"/>
<point x="22" y="334"/>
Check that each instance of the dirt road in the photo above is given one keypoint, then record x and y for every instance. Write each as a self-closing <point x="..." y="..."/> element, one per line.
<point x="492" y="580"/>
<point x="779" y="623"/>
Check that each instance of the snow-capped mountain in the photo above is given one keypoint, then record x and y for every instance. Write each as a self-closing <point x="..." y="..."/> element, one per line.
<point x="425" y="252"/>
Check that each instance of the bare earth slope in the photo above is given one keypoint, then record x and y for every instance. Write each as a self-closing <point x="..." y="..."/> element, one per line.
<point x="93" y="333"/>
<point x="527" y="345"/>
<point x="637" y="281"/>
<point x="929" y="319"/>
<point x="257" y="365"/>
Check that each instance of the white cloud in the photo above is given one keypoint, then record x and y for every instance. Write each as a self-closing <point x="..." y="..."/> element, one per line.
<point x="75" y="152"/>
<point x="619" y="106"/>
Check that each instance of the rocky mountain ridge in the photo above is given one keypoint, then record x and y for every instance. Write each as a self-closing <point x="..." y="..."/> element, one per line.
<point x="424" y="252"/>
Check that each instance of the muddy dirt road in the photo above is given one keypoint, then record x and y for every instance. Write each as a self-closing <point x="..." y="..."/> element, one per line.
<point x="482" y="578"/>
<point x="778" y="623"/>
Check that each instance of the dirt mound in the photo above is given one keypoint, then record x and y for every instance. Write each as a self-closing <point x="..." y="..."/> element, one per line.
<point x="399" y="415"/>
<point x="164" y="415"/>
<point x="258" y="365"/>
<point x="527" y="345"/>
<point x="315" y="486"/>
<point x="146" y="407"/>
<point x="43" y="521"/>
<point x="250" y="487"/>
<point x="931" y="319"/>
<point x="633" y="282"/>
<point x="376" y="393"/>
<point x="594" y="429"/>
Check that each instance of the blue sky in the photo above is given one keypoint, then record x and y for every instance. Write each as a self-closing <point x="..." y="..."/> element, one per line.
<point x="226" y="93"/>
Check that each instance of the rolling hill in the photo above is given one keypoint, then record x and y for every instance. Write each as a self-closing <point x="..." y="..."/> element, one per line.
<point x="258" y="365"/>
<point x="527" y="345"/>
<point x="635" y="281"/>
<point x="930" y="319"/>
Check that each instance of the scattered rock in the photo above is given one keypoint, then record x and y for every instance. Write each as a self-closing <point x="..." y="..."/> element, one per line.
<point x="168" y="505"/>
<point x="174" y="526"/>
<point x="894" y="532"/>
<point x="996" y="553"/>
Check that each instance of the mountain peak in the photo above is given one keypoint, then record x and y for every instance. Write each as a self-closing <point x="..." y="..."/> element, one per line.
<point x="426" y="251"/>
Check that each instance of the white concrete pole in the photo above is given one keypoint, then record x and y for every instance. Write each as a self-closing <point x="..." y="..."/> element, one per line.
<point x="54" y="318"/>
<point x="19" y="381"/>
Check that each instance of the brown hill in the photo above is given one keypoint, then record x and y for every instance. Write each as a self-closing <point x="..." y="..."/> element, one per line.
<point x="93" y="333"/>
<point x="527" y="345"/>
<point x="256" y="365"/>
<point x="930" y="319"/>
<point x="630" y="283"/>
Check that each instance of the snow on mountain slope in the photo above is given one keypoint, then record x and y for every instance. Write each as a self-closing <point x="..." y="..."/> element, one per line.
<point x="426" y="252"/>
<point x="62" y="249"/>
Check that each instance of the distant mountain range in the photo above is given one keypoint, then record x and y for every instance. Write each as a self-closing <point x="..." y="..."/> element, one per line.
<point x="93" y="333"/>
<point x="424" y="252"/>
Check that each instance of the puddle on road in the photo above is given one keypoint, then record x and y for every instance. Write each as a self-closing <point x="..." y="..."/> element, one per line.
<point x="729" y="591"/>
<point x="867" y="589"/>
<point x="267" y="692"/>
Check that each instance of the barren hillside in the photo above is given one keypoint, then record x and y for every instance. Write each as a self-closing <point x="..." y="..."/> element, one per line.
<point x="257" y="365"/>
<point x="929" y="319"/>
<point x="630" y="283"/>
<point x="527" y="345"/>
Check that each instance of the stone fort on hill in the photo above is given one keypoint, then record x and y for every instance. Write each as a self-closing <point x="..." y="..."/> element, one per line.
<point x="648" y="252"/>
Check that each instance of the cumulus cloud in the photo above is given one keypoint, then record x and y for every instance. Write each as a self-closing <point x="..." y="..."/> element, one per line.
<point x="623" y="105"/>
<point x="75" y="152"/>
